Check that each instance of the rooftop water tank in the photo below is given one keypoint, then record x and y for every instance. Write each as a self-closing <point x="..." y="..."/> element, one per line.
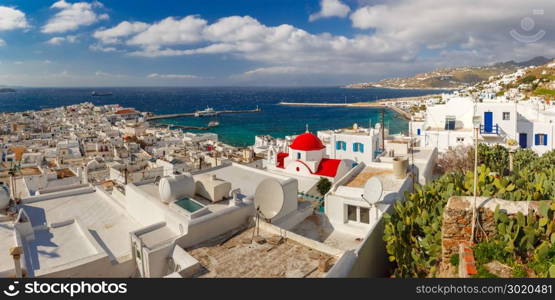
<point x="400" y="166"/>
<point x="176" y="187"/>
<point x="4" y="195"/>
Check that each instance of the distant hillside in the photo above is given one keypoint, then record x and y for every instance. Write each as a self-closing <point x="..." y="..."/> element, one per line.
<point x="451" y="78"/>
<point x="6" y="90"/>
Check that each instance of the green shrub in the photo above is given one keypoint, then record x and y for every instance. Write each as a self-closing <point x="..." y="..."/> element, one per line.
<point x="454" y="260"/>
<point x="323" y="186"/>
<point x="519" y="272"/>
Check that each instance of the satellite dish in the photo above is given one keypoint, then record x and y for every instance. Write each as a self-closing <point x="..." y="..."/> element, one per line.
<point x="269" y="198"/>
<point x="373" y="190"/>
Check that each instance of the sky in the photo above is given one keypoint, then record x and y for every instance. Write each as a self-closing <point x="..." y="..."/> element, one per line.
<point x="260" y="42"/>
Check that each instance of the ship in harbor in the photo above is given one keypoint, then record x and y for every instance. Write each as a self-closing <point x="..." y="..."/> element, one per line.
<point x="213" y="124"/>
<point x="207" y="112"/>
<point x="101" y="94"/>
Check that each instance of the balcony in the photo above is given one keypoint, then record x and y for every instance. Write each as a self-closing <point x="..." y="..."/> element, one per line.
<point x="489" y="130"/>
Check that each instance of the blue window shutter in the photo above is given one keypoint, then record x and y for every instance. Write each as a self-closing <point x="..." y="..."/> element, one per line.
<point x="418" y="131"/>
<point x="361" y="148"/>
<point x="545" y="139"/>
<point x="355" y="147"/>
<point x="536" y="139"/>
<point x="337" y="145"/>
<point x="344" y="146"/>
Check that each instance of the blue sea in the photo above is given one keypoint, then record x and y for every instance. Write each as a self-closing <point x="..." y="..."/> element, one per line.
<point x="234" y="129"/>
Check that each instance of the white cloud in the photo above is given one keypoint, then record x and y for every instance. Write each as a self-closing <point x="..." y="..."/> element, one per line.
<point x="446" y="21"/>
<point x="172" y="76"/>
<point x="101" y="48"/>
<point x="279" y="70"/>
<point x="171" y="31"/>
<point x="247" y="38"/>
<point x="2" y="43"/>
<point x="106" y="74"/>
<point x="11" y="18"/>
<point x="59" y="40"/>
<point x="123" y="29"/>
<point x="73" y="15"/>
<point x="393" y="39"/>
<point x="330" y="8"/>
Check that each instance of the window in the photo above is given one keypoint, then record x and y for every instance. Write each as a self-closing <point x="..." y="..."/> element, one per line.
<point x="541" y="139"/>
<point x="298" y="155"/>
<point x="449" y="123"/>
<point x="364" y="215"/>
<point x="351" y="213"/>
<point x="506" y="116"/>
<point x="358" y="214"/>
<point x="358" y="147"/>
<point x="340" y="145"/>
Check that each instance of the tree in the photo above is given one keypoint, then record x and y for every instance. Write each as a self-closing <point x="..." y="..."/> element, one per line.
<point x="458" y="159"/>
<point x="323" y="186"/>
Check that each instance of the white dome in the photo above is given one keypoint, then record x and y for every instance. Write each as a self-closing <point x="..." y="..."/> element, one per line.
<point x="176" y="187"/>
<point x="4" y="195"/>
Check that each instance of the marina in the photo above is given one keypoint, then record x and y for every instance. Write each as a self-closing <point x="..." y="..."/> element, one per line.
<point x="202" y="113"/>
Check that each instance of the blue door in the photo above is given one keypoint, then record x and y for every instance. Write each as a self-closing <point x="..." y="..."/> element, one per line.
<point x="523" y="140"/>
<point x="488" y="122"/>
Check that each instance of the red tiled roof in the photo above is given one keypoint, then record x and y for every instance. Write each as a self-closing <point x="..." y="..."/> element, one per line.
<point x="280" y="158"/>
<point x="126" y="111"/>
<point x="328" y="167"/>
<point x="307" y="142"/>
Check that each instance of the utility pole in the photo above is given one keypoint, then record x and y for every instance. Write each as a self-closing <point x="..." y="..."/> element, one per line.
<point x="383" y="128"/>
<point x="412" y="155"/>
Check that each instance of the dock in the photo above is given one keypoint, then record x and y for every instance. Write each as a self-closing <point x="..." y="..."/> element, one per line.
<point x="406" y="115"/>
<point x="184" y="127"/>
<point x="192" y="114"/>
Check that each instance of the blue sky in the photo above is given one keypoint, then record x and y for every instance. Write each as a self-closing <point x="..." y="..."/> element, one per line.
<point x="264" y="42"/>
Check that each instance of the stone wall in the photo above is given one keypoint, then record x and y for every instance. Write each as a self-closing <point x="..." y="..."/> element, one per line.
<point x="457" y="220"/>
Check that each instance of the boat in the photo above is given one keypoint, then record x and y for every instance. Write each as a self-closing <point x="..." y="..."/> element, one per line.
<point x="207" y="112"/>
<point x="100" y="94"/>
<point x="213" y="124"/>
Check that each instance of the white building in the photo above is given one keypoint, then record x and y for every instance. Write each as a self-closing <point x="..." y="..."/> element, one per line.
<point x="529" y="123"/>
<point x="356" y="144"/>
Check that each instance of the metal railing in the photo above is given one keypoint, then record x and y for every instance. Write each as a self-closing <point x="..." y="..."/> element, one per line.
<point x="493" y="129"/>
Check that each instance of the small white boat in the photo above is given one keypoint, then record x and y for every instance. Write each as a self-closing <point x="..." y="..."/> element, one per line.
<point x="207" y="112"/>
<point x="213" y="124"/>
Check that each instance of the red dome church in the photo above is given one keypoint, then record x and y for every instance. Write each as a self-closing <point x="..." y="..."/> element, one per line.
<point x="306" y="156"/>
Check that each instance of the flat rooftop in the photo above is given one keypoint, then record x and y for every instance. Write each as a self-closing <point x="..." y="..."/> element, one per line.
<point x="7" y="241"/>
<point x="362" y="177"/>
<point x="245" y="178"/>
<point x="389" y="181"/>
<point x="108" y="223"/>
<point x="239" y="256"/>
<point x="317" y="227"/>
<point x="57" y="246"/>
<point x="152" y="190"/>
